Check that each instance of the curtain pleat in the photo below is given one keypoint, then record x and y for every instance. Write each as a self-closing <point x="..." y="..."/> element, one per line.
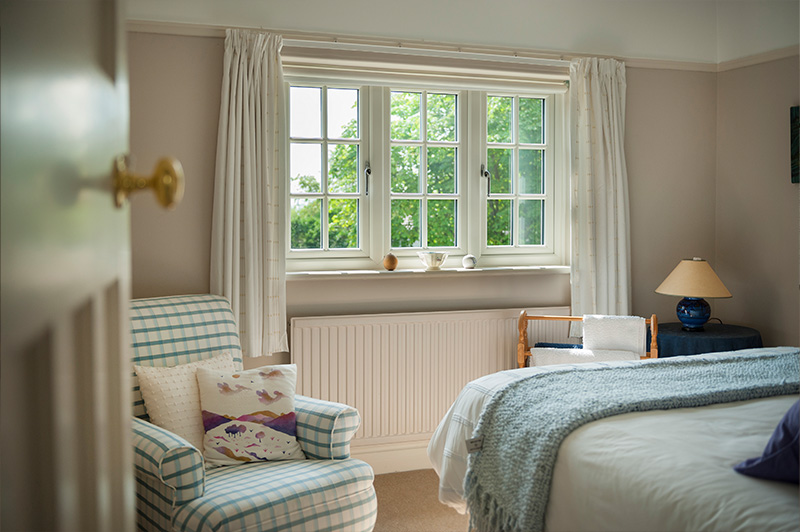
<point x="600" y="211"/>
<point x="247" y="253"/>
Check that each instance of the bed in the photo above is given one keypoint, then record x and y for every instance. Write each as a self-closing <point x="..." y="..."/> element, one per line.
<point x="649" y="469"/>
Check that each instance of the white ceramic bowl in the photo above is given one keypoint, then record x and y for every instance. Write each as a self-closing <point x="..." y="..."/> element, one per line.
<point x="433" y="260"/>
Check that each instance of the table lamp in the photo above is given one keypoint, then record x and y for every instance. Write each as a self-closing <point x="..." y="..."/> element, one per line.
<point x="693" y="280"/>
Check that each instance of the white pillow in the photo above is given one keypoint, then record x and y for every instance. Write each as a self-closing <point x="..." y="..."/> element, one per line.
<point x="547" y="356"/>
<point x="171" y="397"/>
<point x="249" y="415"/>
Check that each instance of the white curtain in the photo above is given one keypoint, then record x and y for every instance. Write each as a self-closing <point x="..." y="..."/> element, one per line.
<point x="600" y="265"/>
<point x="247" y="251"/>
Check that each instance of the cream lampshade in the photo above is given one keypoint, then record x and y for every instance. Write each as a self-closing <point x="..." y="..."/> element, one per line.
<point x="693" y="280"/>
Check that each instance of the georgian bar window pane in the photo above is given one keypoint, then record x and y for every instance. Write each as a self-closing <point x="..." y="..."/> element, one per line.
<point x="424" y="169"/>
<point x="516" y="156"/>
<point x="324" y="169"/>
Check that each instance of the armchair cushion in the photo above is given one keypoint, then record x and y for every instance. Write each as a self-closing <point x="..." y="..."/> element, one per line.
<point x="325" y="428"/>
<point x="286" y="495"/>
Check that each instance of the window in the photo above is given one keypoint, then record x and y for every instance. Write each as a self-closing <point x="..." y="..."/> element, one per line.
<point x="424" y="170"/>
<point x="377" y="169"/>
<point x="324" y="161"/>
<point x="516" y="157"/>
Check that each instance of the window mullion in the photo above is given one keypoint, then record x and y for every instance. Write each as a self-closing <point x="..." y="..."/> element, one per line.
<point x="325" y="198"/>
<point x="364" y="210"/>
<point x="423" y="170"/>
<point x="324" y="223"/>
<point x="324" y="169"/>
<point x="515" y="174"/>
<point x="515" y="225"/>
<point x="376" y="112"/>
<point x="477" y="146"/>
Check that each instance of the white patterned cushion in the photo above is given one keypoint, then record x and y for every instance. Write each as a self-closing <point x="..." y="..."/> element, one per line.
<point x="249" y="415"/>
<point x="172" y="399"/>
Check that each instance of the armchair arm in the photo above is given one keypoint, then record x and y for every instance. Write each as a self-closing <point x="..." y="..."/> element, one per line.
<point x="324" y="428"/>
<point x="169" y="459"/>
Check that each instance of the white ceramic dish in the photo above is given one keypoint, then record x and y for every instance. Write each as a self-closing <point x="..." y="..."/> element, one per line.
<point x="433" y="260"/>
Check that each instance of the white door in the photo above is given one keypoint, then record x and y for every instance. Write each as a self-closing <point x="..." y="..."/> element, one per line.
<point x="66" y="458"/>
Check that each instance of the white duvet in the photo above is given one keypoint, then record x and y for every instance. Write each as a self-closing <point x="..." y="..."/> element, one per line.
<point x="657" y="470"/>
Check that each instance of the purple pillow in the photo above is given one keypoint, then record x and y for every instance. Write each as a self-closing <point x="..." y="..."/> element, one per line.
<point x="779" y="460"/>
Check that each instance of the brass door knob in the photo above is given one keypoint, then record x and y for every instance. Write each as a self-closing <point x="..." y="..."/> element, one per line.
<point x="166" y="181"/>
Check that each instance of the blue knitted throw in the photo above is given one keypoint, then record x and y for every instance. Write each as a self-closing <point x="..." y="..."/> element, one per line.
<point x="508" y="480"/>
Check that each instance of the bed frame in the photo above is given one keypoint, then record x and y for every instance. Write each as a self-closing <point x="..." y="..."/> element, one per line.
<point x="524" y="350"/>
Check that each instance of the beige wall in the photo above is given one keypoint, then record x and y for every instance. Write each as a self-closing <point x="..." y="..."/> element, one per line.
<point x="670" y="142"/>
<point x="677" y="199"/>
<point x="175" y="93"/>
<point x="757" y="210"/>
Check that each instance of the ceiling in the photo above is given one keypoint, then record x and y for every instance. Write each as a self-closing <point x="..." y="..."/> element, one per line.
<point x="703" y="31"/>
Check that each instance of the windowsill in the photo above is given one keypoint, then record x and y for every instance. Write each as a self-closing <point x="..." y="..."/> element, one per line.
<point x="446" y="272"/>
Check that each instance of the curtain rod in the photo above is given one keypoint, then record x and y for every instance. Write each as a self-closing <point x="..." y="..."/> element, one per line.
<point x="427" y="49"/>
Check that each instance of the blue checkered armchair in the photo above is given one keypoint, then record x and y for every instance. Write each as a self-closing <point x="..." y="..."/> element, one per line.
<point x="328" y="491"/>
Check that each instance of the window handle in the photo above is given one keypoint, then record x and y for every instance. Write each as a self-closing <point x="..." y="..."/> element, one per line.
<point x="485" y="173"/>
<point x="367" y="173"/>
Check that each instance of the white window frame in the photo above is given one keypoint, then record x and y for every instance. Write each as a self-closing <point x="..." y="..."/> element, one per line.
<point x="555" y="196"/>
<point x="335" y="259"/>
<point x="375" y="236"/>
<point x="461" y="168"/>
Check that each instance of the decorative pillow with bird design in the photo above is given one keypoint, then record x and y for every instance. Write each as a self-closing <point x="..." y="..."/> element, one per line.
<point x="248" y="416"/>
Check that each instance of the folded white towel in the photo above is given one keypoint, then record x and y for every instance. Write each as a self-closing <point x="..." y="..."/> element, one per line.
<point x="614" y="332"/>
<point x="547" y="356"/>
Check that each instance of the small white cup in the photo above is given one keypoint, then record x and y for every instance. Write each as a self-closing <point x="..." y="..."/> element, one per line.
<point x="433" y="260"/>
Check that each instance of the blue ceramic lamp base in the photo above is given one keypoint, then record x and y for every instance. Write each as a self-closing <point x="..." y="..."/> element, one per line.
<point x="693" y="312"/>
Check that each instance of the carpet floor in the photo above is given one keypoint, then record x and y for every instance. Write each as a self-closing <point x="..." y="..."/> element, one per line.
<point x="409" y="502"/>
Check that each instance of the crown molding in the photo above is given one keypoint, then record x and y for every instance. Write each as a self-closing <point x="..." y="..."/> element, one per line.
<point x="175" y="28"/>
<point x="667" y="64"/>
<point x="765" y="57"/>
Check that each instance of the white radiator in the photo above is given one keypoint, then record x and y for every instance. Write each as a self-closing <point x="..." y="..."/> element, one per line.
<point x="403" y="371"/>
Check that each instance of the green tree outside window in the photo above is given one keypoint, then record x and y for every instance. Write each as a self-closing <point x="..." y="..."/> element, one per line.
<point x="516" y="169"/>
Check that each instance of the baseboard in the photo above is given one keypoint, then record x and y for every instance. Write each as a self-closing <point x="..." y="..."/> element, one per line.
<point x="394" y="457"/>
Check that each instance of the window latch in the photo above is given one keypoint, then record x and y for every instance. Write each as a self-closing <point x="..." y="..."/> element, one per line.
<point x="485" y="173"/>
<point x="367" y="173"/>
